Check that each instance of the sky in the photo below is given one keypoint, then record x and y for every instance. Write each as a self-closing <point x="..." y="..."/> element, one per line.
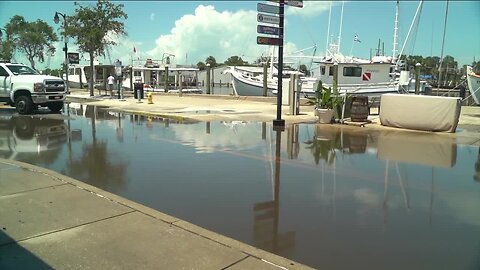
<point x="194" y="30"/>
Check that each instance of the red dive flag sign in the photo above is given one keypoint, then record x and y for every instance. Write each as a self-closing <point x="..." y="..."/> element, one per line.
<point x="367" y="76"/>
<point x="268" y="41"/>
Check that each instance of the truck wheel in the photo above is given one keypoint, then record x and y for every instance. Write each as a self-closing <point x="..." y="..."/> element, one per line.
<point x="24" y="105"/>
<point x="55" y="107"/>
<point x="24" y="127"/>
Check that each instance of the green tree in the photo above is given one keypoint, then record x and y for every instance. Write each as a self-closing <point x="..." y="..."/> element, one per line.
<point x="212" y="61"/>
<point x="90" y="26"/>
<point x="34" y="39"/>
<point x="262" y="59"/>
<point x="235" y="61"/>
<point x="201" y="65"/>
<point x="6" y="45"/>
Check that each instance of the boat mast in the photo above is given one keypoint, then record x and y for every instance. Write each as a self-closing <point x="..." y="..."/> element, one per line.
<point x="395" y="34"/>
<point x="272" y="59"/>
<point x="419" y="8"/>
<point x="441" y="53"/>
<point x="340" y="33"/>
<point x="328" y="28"/>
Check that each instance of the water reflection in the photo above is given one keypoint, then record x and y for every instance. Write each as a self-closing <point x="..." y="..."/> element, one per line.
<point x="266" y="225"/>
<point x="315" y="194"/>
<point x="95" y="165"/>
<point x="29" y="138"/>
<point x="476" y="177"/>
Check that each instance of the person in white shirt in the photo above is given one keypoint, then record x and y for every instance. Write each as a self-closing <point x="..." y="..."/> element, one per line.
<point x="111" y="80"/>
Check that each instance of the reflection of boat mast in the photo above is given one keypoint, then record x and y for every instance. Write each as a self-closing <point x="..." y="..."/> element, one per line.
<point x="385" y="193"/>
<point x="476" y="177"/>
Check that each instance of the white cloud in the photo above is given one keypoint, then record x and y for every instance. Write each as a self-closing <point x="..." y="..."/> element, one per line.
<point x="209" y="32"/>
<point x="310" y="8"/>
<point x="193" y="38"/>
<point x="152" y="16"/>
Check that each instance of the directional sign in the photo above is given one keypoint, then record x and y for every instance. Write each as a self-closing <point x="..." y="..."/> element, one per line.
<point x="268" y="8"/>
<point x="293" y="3"/>
<point x="268" y="41"/>
<point x="268" y="18"/>
<point x="263" y="29"/>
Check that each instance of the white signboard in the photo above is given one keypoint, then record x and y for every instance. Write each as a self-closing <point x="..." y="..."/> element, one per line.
<point x="268" y="19"/>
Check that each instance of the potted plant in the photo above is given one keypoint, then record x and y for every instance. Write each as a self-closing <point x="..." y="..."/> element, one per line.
<point x="325" y="102"/>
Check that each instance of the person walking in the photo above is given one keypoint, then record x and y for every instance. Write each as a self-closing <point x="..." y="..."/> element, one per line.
<point x="111" y="80"/>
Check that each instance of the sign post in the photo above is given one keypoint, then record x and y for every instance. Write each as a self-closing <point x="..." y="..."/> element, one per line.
<point x="279" y="123"/>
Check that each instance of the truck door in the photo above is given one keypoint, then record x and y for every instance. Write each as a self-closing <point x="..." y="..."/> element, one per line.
<point x="4" y="83"/>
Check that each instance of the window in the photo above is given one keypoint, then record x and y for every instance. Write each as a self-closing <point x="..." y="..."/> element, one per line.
<point x="352" y="71"/>
<point x="3" y="72"/>
<point x="19" y="69"/>
<point x="331" y="71"/>
<point x="322" y="70"/>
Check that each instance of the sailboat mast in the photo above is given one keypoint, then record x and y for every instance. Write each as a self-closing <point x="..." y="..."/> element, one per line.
<point x="419" y="8"/>
<point x="272" y="57"/>
<point x="441" y="53"/>
<point x="340" y="33"/>
<point x="395" y="34"/>
<point x="328" y="28"/>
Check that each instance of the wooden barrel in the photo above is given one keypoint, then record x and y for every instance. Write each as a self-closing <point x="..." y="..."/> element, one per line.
<point x="359" y="111"/>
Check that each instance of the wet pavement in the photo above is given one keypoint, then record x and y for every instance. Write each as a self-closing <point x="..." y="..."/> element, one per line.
<point x="331" y="197"/>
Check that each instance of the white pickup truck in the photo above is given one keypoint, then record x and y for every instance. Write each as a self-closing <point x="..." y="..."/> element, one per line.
<point x="26" y="89"/>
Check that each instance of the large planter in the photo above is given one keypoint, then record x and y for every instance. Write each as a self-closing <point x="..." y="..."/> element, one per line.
<point x="324" y="115"/>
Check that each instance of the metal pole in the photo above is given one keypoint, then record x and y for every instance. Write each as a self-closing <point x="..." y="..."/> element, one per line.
<point x="417" y="80"/>
<point x="213" y="79"/>
<point x="66" y="60"/>
<point x="279" y="122"/>
<point x="166" y="79"/>
<point x="208" y="79"/>
<point x="265" y="79"/>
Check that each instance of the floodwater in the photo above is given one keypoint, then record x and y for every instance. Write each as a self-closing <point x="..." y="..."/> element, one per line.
<point x="331" y="198"/>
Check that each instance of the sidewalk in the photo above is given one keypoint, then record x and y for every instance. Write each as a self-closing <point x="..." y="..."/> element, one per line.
<point x="202" y="107"/>
<point x="48" y="220"/>
<point x="199" y="107"/>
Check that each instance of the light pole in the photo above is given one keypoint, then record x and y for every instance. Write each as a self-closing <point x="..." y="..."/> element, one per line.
<point x="56" y="19"/>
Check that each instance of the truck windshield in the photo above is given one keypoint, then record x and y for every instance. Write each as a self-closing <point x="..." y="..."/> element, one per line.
<point x="20" y="69"/>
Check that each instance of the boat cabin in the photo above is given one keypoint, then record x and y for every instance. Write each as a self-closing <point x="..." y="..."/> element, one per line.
<point x="355" y="73"/>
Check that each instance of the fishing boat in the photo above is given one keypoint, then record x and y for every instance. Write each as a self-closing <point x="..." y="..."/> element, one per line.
<point x="371" y="77"/>
<point x="473" y="81"/>
<point x="248" y="81"/>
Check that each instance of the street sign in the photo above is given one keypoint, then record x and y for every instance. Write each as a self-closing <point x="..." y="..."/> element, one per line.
<point x="293" y="3"/>
<point x="268" y="19"/>
<point x="73" y="58"/>
<point x="269" y="30"/>
<point x="268" y="8"/>
<point x="268" y="41"/>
